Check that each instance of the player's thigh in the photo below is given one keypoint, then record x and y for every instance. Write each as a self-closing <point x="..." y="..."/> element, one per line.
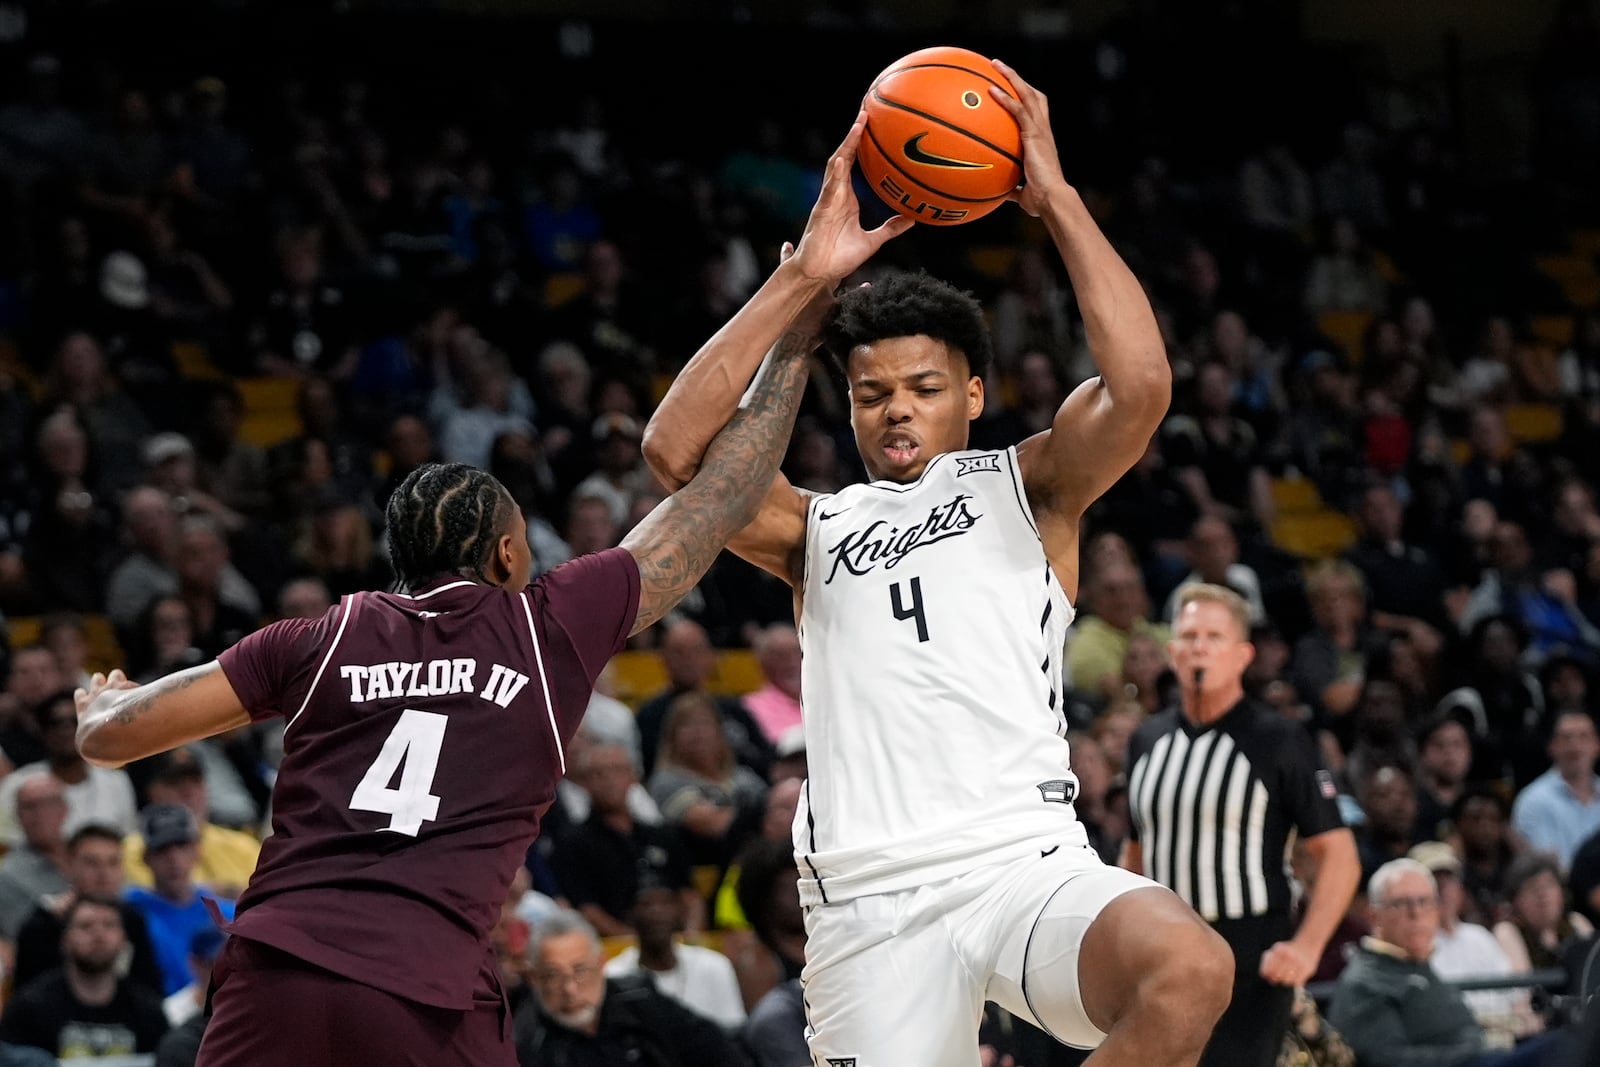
<point x="271" y="1010"/>
<point x="1035" y="976"/>
<point x="884" y="987"/>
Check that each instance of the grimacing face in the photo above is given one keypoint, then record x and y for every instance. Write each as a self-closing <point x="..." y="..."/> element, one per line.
<point x="911" y="399"/>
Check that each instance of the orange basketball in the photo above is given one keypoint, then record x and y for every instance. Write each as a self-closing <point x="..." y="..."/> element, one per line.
<point x="937" y="147"/>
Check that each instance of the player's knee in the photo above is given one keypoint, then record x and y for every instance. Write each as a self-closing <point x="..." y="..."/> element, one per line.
<point x="1193" y="983"/>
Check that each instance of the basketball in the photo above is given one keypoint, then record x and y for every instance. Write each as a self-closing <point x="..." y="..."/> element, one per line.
<point x="937" y="147"/>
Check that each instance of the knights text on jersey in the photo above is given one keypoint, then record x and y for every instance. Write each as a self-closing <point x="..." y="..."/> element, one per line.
<point x="931" y="629"/>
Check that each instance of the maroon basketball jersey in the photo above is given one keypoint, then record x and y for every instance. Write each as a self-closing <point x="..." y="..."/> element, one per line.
<point x="425" y="736"/>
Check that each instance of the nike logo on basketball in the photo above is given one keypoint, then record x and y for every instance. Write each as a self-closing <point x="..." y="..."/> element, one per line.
<point x="917" y="154"/>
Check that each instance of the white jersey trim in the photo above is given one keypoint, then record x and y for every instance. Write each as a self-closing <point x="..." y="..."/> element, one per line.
<point x="435" y="592"/>
<point x="348" y="604"/>
<point x="544" y="683"/>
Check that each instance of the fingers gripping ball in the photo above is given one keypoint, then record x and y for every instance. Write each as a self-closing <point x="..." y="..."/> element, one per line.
<point x="938" y="147"/>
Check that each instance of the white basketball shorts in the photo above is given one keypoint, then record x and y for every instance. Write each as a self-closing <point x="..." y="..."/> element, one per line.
<point x="900" y="979"/>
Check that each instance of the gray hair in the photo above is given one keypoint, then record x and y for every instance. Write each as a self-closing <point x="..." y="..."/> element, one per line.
<point x="561" y="924"/>
<point x="1378" y="886"/>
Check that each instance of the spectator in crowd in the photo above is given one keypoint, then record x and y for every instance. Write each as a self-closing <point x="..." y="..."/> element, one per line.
<point x="1329" y="663"/>
<point x="1402" y="578"/>
<point x="582" y="1016"/>
<point x="775" y="706"/>
<point x="1388" y="797"/>
<point x="769" y="893"/>
<point x="1444" y="759"/>
<point x="94" y="794"/>
<point x="35" y="677"/>
<point x="701" y="979"/>
<point x="1559" y="809"/>
<point x="1213" y="552"/>
<point x="1538" y="927"/>
<point x="34" y="869"/>
<point x="226" y="857"/>
<point x="704" y="793"/>
<point x="1390" y="1003"/>
<point x="600" y="862"/>
<point x="306" y="597"/>
<point x="174" y="907"/>
<point x="1115" y="593"/>
<point x="87" y="1009"/>
<point x="1484" y="840"/>
<point x="1463" y="950"/>
<point x="691" y="662"/>
<point x="94" y="870"/>
<point x="190" y="1001"/>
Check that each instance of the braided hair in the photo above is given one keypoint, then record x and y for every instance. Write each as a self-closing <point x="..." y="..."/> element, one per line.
<point x="444" y="519"/>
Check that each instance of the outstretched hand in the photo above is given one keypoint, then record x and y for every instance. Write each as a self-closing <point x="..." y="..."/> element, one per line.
<point x="98" y="684"/>
<point x="1041" y="166"/>
<point x="835" y="244"/>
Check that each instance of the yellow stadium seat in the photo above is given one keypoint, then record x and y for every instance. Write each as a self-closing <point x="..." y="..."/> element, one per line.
<point x="737" y="673"/>
<point x="193" y="361"/>
<point x="102" y="654"/>
<point x="993" y="261"/>
<point x="266" y="394"/>
<point x="559" y="288"/>
<point x="23" y="630"/>
<point x="1295" y="496"/>
<point x="1346" y="329"/>
<point x="1317" y="535"/>
<point x="1553" y="330"/>
<point x="1533" y="422"/>
<point x="265" y="429"/>
<point x="613" y="945"/>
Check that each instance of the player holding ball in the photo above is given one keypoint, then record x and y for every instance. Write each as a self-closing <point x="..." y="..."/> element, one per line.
<point x="941" y="863"/>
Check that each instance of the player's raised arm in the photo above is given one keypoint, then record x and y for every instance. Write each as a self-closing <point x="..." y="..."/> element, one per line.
<point x="677" y="542"/>
<point x="789" y="305"/>
<point x="1103" y="427"/>
<point x="119" y="722"/>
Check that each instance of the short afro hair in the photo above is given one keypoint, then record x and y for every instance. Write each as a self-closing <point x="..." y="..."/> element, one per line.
<point x="906" y="305"/>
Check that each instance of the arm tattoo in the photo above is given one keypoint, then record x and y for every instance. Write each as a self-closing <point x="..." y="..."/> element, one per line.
<point x="146" y="696"/>
<point x="677" y="543"/>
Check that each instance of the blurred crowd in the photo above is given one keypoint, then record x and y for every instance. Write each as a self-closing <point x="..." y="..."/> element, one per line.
<point x="514" y="292"/>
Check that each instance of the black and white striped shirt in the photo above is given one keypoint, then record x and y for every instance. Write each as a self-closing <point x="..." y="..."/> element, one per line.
<point x="1214" y="807"/>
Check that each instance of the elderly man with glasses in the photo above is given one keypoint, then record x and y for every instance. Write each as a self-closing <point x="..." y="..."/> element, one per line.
<point x="1393" y="1008"/>
<point x="580" y="1018"/>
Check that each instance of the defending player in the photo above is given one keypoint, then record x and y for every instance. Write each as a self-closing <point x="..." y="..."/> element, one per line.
<point x="426" y="732"/>
<point x="940" y="859"/>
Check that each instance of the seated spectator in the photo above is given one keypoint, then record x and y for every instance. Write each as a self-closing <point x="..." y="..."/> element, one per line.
<point x="622" y="471"/>
<point x="1538" y="926"/>
<point x="712" y="800"/>
<point x="1213" y="553"/>
<point x="226" y="857"/>
<point x="600" y="861"/>
<point x="783" y="800"/>
<point x="769" y="893"/>
<point x="94" y="794"/>
<point x="775" y="706"/>
<point x="1403" y="578"/>
<point x="1217" y="457"/>
<point x="35" y="677"/>
<point x="204" y="948"/>
<point x="62" y="632"/>
<point x="1464" y="950"/>
<point x="1556" y="811"/>
<point x="701" y="979"/>
<point x="35" y="869"/>
<point x="86" y="1010"/>
<point x="581" y="1016"/>
<point x="94" y="869"/>
<point x="174" y="907"/>
<point x="1391" y="1005"/>
<point x="1388" y="796"/>
<point x="1483" y="839"/>
<point x="1115" y="594"/>
<point x="1329" y="663"/>
<point x="1444" y="757"/>
<point x="690" y="660"/>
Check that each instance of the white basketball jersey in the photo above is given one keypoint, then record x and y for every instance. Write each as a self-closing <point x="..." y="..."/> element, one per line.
<point x="931" y="630"/>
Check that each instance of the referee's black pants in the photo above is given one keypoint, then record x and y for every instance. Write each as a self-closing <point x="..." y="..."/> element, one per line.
<point x="1250" y="1033"/>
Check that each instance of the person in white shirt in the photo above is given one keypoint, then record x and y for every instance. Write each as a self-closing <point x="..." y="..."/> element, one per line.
<point x="701" y="979"/>
<point x="1556" y="811"/>
<point x="1467" y="950"/>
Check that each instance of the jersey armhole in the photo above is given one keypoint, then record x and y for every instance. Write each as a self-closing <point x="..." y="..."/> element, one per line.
<point x="347" y="605"/>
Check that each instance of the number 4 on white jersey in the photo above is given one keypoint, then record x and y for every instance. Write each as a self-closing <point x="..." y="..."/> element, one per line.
<point x="416" y="740"/>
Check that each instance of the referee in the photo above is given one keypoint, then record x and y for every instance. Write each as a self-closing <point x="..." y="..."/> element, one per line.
<point x="1216" y="789"/>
